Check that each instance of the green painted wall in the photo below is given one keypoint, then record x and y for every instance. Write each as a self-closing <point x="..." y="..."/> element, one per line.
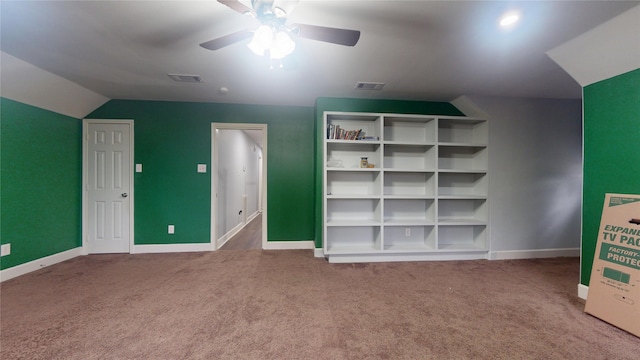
<point x="41" y="180"/>
<point x="611" y="152"/>
<point x="171" y="138"/>
<point x="41" y="169"/>
<point x="364" y="105"/>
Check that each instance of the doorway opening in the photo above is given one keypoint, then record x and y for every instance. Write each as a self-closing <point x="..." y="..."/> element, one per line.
<point x="238" y="184"/>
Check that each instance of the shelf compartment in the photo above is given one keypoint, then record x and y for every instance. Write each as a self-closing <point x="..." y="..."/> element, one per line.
<point x="349" y="153"/>
<point x="420" y="157"/>
<point x="462" y="237"/>
<point x="409" y="183"/>
<point x="462" y="210"/>
<point x="418" y="130"/>
<point x="409" y="238"/>
<point x="368" y="123"/>
<point x="409" y="211"/>
<point x="355" y="239"/>
<point x="462" y="184"/>
<point x="463" y="131"/>
<point x="353" y="211"/>
<point x="351" y="183"/>
<point x="462" y="157"/>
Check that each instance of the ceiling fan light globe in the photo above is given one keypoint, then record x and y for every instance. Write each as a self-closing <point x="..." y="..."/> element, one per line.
<point x="256" y="49"/>
<point x="262" y="40"/>
<point x="283" y="46"/>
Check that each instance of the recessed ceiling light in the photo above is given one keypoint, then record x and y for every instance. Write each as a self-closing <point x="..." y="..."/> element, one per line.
<point x="509" y="19"/>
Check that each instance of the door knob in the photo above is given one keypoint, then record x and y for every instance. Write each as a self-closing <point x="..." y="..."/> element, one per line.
<point x="124" y="195"/>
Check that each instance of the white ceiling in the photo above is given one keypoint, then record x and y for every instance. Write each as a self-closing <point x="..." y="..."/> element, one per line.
<point x="422" y="50"/>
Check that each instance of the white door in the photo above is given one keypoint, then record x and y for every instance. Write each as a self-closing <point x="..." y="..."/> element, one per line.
<point x="108" y="186"/>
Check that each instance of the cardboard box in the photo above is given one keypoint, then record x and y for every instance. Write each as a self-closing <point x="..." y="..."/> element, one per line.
<point x="614" y="289"/>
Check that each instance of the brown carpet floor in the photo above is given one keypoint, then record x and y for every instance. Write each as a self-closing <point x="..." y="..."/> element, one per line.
<point x="289" y="305"/>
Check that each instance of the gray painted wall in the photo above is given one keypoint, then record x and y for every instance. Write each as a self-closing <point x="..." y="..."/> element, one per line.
<point x="535" y="169"/>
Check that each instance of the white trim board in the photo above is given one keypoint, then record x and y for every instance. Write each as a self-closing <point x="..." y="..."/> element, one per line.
<point x="583" y="291"/>
<point x="494" y="255"/>
<point x="38" y="264"/>
<point x="290" y="245"/>
<point x="171" y="248"/>
<point x="369" y="258"/>
<point x="533" y="254"/>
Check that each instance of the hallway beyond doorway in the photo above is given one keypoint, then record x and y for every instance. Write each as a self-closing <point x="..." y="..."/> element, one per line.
<point x="250" y="237"/>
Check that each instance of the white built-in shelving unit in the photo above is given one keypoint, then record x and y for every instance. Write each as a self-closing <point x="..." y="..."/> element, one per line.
<point x="425" y="198"/>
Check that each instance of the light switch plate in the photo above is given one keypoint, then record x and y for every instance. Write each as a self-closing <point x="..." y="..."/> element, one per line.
<point x="5" y="249"/>
<point x="138" y="168"/>
<point x="171" y="229"/>
<point x="202" y="168"/>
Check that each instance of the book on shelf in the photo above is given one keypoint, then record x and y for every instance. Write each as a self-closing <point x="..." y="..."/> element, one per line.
<point x="335" y="132"/>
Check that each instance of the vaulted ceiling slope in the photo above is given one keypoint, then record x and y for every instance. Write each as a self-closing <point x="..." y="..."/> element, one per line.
<point x="421" y="50"/>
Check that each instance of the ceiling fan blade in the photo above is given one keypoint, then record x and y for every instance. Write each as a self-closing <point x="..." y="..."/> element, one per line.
<point x="327" y="34"/>
<point x="227" y="40"/>
<point x="238" y="6"/>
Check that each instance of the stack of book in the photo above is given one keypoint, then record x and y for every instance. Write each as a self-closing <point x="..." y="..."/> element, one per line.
<point x="336" y="132"/>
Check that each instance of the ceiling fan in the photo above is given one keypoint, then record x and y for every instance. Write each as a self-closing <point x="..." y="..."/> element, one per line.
<point x="273" y="36"/>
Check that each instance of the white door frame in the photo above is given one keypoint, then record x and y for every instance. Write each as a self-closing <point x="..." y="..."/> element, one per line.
<point x="85" y="179"/>
<point x="214" y="176"/>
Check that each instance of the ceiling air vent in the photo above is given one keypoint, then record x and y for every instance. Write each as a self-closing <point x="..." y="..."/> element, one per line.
<point x="186" y="78"/>
<point x="366" y="85"/>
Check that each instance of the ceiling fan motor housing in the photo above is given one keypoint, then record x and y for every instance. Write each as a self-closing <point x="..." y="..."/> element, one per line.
<point x="278" y="9"/>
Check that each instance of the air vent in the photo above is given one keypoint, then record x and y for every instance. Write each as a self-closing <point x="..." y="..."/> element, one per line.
<point x="365" y="85"/>
<point x="186" y="78"/>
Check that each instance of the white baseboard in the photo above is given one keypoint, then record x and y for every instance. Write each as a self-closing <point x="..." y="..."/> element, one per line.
<point x="350" y="258"/>
<point x="166" y="248"/>
<point x="583" y="291"/>
<point x="253" y="216"/>
<point x="290" y="245"/>
<point x="533" y="254"/>
<point x="171" y="248"/>
<point x="38" y="264"/>
<point x="318" y="252"/>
